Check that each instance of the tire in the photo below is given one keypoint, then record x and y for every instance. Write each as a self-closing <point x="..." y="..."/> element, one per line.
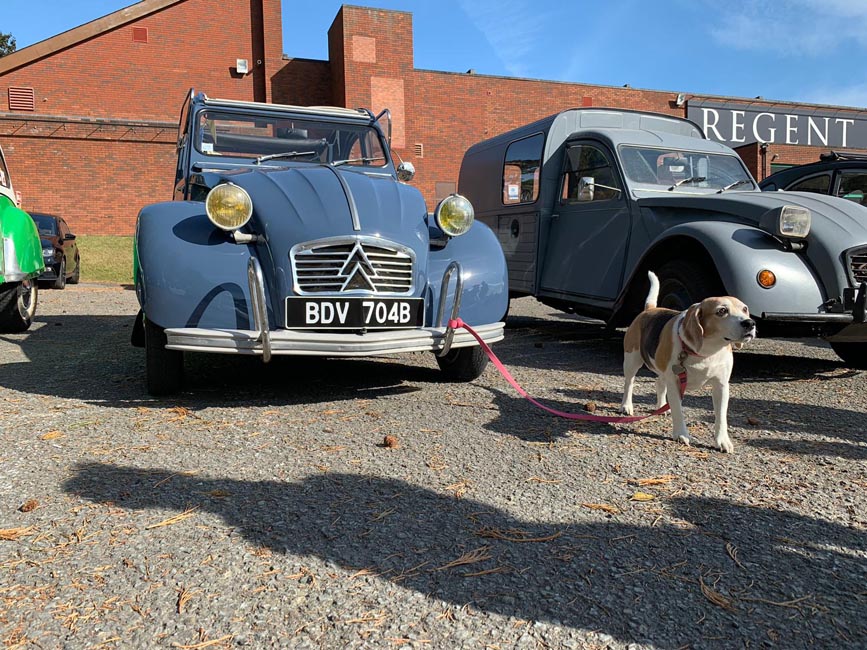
<point x="75" y="278"/>
<point x="854" y="355"/>
<point x="164" y="369"/>
<point x="60" y="282"/>
<point x="683" y="283"/>
<point x="18" y="305"/>
<point x="463" y="364"/>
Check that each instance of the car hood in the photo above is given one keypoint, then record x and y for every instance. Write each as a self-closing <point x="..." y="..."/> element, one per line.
<point x="833" y="218"/>
<point x="296" y="205"/>
<point x="316" y="202"/>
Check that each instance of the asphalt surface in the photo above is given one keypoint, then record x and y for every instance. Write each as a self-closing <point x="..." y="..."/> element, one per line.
<point x="361" y="503"/>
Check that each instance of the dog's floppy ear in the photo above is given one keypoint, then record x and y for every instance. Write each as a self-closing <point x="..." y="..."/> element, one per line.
<point x="691" y="330"/>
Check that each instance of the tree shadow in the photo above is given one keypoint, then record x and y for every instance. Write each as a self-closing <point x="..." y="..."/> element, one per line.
<point x="715" y="574"/>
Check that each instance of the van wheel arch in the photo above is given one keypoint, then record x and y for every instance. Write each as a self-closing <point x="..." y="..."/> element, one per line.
<point x="676" y="249"/>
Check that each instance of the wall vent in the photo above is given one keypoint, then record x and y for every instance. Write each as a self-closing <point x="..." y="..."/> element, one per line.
<point x="418" y="148"/>
<point x="139" y="34"/>
<point x="21" y="99"/>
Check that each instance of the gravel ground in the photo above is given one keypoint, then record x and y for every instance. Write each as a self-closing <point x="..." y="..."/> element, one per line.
<point x="263" y="508"/>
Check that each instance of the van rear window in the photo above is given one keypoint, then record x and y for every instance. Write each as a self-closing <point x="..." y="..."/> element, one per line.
<point x="521" y="170"/>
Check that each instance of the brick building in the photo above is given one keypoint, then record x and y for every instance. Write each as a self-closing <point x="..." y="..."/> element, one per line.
<point x="88" y="118"/>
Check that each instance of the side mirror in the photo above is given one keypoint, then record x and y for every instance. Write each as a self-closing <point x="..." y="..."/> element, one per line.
<point x="405" y="172"/>
<point x="69" y="237"/>
<point x="586" y="188"/>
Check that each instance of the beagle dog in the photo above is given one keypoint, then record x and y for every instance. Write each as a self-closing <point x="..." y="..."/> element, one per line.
<point x="699" y="340"/>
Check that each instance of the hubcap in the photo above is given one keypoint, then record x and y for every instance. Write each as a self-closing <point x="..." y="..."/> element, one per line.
<point x="27" y="299"/>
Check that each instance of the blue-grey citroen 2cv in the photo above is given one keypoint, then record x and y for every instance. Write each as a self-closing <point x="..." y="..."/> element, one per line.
<point x="293" y="232"/>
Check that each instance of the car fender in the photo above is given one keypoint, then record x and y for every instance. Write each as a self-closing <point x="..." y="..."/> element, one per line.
<point x="187" y="272"/>
<point x="739" y="252"/>
<point x="485" y="296"/>
<point x="20" y="247"/>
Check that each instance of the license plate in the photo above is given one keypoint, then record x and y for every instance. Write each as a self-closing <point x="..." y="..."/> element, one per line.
<point x="354" y="313"/>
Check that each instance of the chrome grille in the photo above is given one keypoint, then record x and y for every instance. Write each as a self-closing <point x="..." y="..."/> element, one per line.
<point x="353" y="264"/>
<point x="858" y="265"/>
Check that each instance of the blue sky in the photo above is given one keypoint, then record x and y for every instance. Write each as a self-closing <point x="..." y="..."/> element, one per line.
<point x="798" y="50"/>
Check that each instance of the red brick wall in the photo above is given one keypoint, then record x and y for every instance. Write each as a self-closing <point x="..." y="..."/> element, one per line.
<point x="110" y="77"/>
<point x="99" y="173"/>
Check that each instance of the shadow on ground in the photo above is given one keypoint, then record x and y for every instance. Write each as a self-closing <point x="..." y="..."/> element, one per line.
<point x="716" y="575"/>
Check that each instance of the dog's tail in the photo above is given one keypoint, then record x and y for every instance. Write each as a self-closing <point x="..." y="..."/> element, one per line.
<point x="653" y="294"/>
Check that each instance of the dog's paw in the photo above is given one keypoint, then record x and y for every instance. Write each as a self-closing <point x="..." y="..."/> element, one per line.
<point x="627" y="408"/>
<point x="684" y="438"/>
<point x="725" y="444"/>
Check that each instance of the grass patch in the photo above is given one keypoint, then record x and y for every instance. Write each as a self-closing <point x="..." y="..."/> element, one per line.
<point x="105" y="258"/>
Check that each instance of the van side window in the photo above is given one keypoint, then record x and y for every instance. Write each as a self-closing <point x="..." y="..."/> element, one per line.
<point x="820" y="184"/>
<point x="521" y="170"/>
<point x="591" y="164"/>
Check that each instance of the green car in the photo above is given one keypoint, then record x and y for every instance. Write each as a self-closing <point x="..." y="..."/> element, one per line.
<point x="20" y="260"/>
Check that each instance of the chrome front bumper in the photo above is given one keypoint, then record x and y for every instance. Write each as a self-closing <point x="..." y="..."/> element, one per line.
<point x="326" y="344"/>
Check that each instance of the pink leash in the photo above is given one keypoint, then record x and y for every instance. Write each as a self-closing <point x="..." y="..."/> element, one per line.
<point x="458" y="323"/>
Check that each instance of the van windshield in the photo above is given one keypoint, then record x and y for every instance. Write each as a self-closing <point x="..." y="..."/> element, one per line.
<point x="679" y="170"/>
<point x="278" y="139"/>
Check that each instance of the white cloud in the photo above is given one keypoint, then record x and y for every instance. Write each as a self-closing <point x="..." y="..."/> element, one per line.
<point x="791" y="27"/>
<point x="513" y="28"/>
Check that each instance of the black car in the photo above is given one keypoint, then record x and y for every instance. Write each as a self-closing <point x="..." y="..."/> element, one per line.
<point x="837" y="174"/>
<point x="59" y="251"/>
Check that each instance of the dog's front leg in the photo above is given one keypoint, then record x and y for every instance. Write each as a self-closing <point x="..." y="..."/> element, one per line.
<point x="720" y="408"/>
<point x="680" y="432"/>
<point x="660" y="392"/>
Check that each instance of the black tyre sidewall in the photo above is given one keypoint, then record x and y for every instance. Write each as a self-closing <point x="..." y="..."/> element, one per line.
<point x="463" y="364"/>
<point x="60" y="282"/>
<point x="164" y="369"/>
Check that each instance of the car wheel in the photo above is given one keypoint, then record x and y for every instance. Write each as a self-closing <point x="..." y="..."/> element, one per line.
<point x="17" y="305"/>
<point x="463" y="364"/>
<point x="60" y="282"/>
<point x="854" y="355"/>
<point x="683" y="283"/>
<point x="76" y="274"/>
<point x="164" y="369"/>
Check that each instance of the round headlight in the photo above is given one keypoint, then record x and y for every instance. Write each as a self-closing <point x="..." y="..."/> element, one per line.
<point x="228" y="206"/>
<point x="454" y="215"/>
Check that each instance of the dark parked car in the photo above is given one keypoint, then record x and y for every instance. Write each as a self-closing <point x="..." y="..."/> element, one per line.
<point x="837" y="174"/>
<point x="59" y="251"/>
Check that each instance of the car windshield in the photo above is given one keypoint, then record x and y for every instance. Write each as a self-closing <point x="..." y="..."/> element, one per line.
<point x="678" y="170"/>
<point x="44" y="224"/>
<point x="276" y="138"/>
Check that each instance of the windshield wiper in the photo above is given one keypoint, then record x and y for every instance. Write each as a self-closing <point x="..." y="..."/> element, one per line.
<point x="691" y="179"/>
<point x="285" y="154"/>
<point x="735" y="184"/>
<point x="337" y="163"/>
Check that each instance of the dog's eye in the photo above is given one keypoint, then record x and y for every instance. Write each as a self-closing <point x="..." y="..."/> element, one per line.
<point x="746" y="311"/>
<point x="722" y="311"/>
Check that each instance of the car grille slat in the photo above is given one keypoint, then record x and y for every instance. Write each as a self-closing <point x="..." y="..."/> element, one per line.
<point x="354" y="265"/>
<point x="858" y="265"/>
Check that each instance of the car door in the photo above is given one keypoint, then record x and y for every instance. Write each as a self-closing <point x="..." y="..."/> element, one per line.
<point x="589" y="232"/>
<point x="69" y="246"/>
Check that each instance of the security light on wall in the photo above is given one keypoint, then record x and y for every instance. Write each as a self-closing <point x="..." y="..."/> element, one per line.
<point x="242" y="66"/>
<point x="681" y="99"/>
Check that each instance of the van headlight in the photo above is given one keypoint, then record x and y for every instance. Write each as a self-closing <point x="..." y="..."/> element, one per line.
<point x="454" y="215"/>
<point x="787" y="221"/>
<point x="228" y="206"/>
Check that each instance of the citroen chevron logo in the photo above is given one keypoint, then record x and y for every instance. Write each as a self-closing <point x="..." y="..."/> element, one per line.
<point x="358" y="271"/>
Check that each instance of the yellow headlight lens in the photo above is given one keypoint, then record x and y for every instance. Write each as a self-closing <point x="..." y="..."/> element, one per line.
<point x="454" y="215"/>
<point x="228" y="206"/>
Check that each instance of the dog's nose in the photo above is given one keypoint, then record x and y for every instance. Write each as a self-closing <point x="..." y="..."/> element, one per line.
<point x="748" y="324"/>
